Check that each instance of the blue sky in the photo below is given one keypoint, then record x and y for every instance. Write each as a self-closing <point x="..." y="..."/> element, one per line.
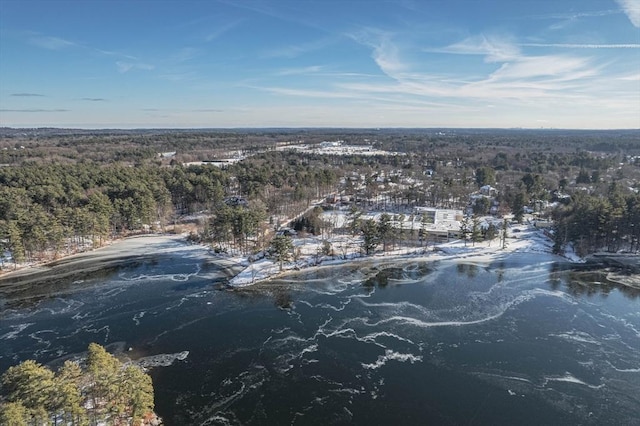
<point x="324" y="63"/>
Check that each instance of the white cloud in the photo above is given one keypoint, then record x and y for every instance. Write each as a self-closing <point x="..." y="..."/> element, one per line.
<point x="51" y="43"/>
<point x="296" y="50"/>
<point x="518" y="79"/>
<point x="219" y="31"/>
<point x="124" y="67"/>
<point x="541" y="66"/>
<point x="496" y="49"/>
<point x="583" y="46"/>
<point x="630" y="77"/>
<point x="185" y="54"/>
<point x="385" y="52"/>
<point x="632" y="9"/>
<point x="314" y="69"/>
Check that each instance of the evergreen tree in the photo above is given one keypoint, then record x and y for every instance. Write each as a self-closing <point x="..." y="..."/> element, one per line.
<point x="370" y="235"/>
<point x="385" y="230"/>
<point x="30" y="384"/>
<point x="281" y="248"/>
<point x="465" y="229"/>
<point x="106" y="393"/>
<point x="354" y="220"/>
<point x="14" y="414"/>
<point x="476" y="231"/>
<point x="504" y="233"/>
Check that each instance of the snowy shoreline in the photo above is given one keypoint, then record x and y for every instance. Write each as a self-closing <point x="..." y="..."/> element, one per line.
<point x="114" y="252"/>
<point x="528" y="240"/>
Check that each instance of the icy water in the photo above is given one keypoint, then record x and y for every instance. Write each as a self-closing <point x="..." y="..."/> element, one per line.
<point x="520" y="341"/>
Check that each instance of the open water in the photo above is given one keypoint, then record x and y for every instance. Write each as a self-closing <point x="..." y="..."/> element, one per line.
<point x="519" y="341"/>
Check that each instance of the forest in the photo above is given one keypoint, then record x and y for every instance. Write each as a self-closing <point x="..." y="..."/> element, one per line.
<point x="64" y="191"/>
<point x="97" y="390"/>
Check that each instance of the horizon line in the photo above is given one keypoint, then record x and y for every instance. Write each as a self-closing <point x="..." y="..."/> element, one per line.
<point x="310" y="128"/>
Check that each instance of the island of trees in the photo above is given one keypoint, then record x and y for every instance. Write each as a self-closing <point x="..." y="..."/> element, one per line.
<point x="100" y="390"/>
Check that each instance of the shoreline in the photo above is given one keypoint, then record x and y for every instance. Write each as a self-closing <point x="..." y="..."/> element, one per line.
<point x="529" y="241"/>
<point x="113" y="252"/>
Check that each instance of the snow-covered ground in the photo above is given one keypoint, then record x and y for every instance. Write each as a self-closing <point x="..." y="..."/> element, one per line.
<point x="308" y="251"/>
<point x="521" y="239"/>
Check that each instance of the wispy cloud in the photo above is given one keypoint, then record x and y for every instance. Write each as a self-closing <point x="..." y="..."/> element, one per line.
<point x="34" y="110"/>
<point x="632" y="9"/>
<point x="178" y="76"/>
<point x="583" y="46"/>
<point x="185" y="54"/>
<point x="52" y="43"/>
<point x="569" y="18"/>
<point x="518" y="77"/>
<point x="207" y="110"/>
<point x="27" y="95"/>
<point x="93" y="99"/>
<point x="330" y="94"/>
<point x="113" y="53"/>
<point x="494" y="48"/>
<point x="219" y="31"/>
<point x="574" y="15"/>
<point x="630" y="77"/>
<point x="295" y="50"/>
<point x="314" y="69"/>
<point x="124" y="67"/>
<point x="58" y="43"/>
<point x="384" y="51"/>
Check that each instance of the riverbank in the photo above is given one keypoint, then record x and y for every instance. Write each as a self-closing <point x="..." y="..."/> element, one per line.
<point x="527" y="239"/>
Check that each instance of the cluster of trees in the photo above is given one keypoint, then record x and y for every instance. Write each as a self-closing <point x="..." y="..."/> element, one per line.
<point x="104" y="391"/>
<point x="237" y="226"/>
<point x="73" y="188"/>
<point x="57" y="208"/>
<point x="311" y="222"/>
<point x="594" y="222"/>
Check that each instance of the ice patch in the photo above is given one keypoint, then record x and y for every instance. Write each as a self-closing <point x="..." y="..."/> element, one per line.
<point x="161" y="360"/>
<point x="16" y="330"/>
<point x="577" y="336"/>
<point x="569" y="378"/>
<point x="390" y="355"/>
<point x="138" y="316"/>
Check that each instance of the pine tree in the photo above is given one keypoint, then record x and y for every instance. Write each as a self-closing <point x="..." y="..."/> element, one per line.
<point x="385" y="230"/>
<point x="281" y="248"/>
<point x="31" y="384"/>
<point x="504" y="233"/>
<point x="476" y="231"/>
<point x="14" y="414"/>
<point x="371" y="237"/>
<point x="465" y="229"/>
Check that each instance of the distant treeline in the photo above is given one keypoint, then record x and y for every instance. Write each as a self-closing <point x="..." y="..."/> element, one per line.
<point x="61" y="190"/>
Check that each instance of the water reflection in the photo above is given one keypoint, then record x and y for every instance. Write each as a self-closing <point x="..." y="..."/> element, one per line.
<point x="590" y="281"/>
<point x="468" y="269"/>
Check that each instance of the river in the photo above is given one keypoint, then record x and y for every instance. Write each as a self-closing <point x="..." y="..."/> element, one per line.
<point x="522" y="340"/>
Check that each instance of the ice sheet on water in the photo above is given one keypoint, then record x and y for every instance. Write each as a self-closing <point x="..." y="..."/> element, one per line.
<point x="161" y="360"/>
<point x="390" y="355"/>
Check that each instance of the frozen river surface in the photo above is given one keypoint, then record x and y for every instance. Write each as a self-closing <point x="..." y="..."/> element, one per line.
<point x="518" y="341"/>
